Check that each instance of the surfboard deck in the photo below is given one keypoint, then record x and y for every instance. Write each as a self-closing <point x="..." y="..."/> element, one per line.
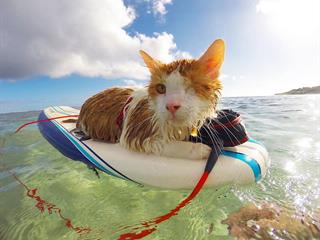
<point x="243" y="164"/>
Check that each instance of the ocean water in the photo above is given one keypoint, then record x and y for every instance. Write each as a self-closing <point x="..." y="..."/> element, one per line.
<point x="289" y="126"/>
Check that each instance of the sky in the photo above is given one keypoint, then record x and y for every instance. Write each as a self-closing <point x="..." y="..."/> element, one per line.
<point x="61" y="52"/>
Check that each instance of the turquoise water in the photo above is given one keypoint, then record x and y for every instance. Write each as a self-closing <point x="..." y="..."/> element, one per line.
<point x="289" y="126"/>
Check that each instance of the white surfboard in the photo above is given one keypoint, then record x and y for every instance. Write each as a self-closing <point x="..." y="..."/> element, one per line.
<point x="243" y="164"/>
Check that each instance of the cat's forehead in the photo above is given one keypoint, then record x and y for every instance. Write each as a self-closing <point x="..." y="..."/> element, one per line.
<point x="182" y="66"/>
<point x="176" y="73"/>
<point x="175" y="80"/>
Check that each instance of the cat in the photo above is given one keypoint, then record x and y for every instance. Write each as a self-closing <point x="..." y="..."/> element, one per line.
<point x="159" y="118"/>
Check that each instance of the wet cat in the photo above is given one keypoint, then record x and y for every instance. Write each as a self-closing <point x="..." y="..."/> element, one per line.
<point x="159" y="117"/>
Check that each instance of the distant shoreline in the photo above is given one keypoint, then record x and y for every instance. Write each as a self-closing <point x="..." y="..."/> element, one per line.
<point x="17" y="110"/>
<point x="301" y="91"/>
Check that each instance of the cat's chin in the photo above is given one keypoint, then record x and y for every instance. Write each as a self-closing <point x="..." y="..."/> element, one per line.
<point x="177" y="122"/>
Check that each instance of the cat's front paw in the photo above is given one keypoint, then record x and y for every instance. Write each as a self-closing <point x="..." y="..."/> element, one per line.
<point x="199" y="151"/>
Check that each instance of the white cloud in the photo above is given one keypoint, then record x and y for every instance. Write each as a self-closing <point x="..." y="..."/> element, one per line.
<point x="293" y="27"/>
<point x="62" y="37"/>
<point x="133" y="83"/>
<point x="293" y="18"/>
<point x="181" y="54"/>
<point x="159" y="6"/>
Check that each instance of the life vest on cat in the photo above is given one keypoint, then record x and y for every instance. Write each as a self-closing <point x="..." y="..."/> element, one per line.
<point x="226" y="130"/>
<point x="226" y="127"/>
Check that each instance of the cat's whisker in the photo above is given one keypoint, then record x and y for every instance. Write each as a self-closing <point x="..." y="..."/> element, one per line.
<point x="208" y="132"/>
<point x="223" y="126"/>
<point x="214" y="133"/>
<point x="228" y="114"/>
<point x="226" y="130"/>
<point x="200" y="139"/>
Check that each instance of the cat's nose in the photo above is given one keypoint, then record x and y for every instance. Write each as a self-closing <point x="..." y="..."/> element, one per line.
<point x="172" y="107"/>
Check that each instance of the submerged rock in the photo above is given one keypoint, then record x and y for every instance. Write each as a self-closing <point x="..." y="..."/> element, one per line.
<point x="271" y="222"/>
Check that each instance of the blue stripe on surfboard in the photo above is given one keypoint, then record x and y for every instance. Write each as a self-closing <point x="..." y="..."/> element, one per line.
<point x="255" y="167"/>
<point x="85" y="153"/>
<point x="261" y="149"/>
<point x="108" y="164"/>
<point x="63" y="143"/>
<point x="91" y="150"/>
<point x="255" y="141"/>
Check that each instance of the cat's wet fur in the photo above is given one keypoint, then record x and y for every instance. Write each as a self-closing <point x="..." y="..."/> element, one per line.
<point x="178" y="98"/>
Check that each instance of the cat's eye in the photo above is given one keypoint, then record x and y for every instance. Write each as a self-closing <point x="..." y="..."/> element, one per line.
<point x="161" y="88"/>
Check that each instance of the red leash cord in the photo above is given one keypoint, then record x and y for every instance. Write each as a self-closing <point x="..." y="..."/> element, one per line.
<point x="42" y="204"/>
<point x="43" y="120"/>
<point x="150" y="226"/>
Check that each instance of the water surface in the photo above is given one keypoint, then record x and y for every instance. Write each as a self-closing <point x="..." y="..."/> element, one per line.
<point x="289" y="126"/>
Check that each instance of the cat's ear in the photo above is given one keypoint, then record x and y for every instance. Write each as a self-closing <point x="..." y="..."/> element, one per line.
<point x="210" y="62"/>
<point x="151" y="63"/>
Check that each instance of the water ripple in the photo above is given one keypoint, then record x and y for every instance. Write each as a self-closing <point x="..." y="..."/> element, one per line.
<point x="288" y="126"/>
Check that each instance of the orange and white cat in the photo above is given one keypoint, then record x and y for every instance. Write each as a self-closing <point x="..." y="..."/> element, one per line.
<point x="159" y="117"/>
